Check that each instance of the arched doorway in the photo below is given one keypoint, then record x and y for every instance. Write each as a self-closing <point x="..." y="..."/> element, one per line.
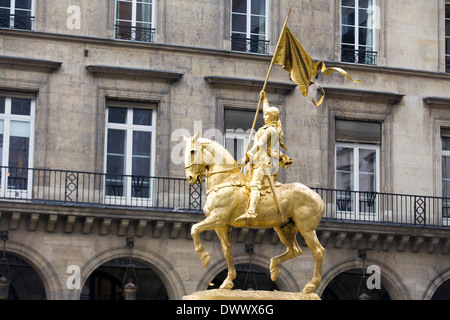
<point x="442" y="292"/>
<point x="247" y="266"/>
<point x="351" y="285"/>
<point x="248" y="277"/>
<point x="105" y="283"/>
<point x="25" y="283"/>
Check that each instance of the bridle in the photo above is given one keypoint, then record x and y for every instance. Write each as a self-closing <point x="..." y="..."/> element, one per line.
<point x="203" y="172"/>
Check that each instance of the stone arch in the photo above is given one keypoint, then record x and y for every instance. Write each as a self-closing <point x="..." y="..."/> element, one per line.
<point x="40" y="265"/>
<point x="390" y="280"/>
<point x="159" y="265"/>
<point x="285" y="281"/>
<point x="435" y="283"/>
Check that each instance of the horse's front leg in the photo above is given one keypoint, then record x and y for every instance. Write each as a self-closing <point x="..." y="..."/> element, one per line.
<point x="225" y="241"/>
<point x="209" y="223"/>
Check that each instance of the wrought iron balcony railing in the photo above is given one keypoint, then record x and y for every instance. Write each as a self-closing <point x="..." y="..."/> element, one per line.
<point x="125" y="32"/>
<point x="249" y="45"/>
<point x="359" y="56"/>
<point x="87" y="188"/>
<point x="176" y="194"/>
<point x="14" y="21"/>
<point x="385" y="208"/>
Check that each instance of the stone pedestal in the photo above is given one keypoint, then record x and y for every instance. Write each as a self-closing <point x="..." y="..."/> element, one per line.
<point x="220" y="294"/>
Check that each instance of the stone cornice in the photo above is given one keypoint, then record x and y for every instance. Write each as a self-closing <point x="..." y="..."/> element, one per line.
<point x="388" y="70"/>
<point x="119" y="72"/>
<point x="237" y="83"/>
<point x="29" y="64"/>
<point x="173" y="48"/>
<point x="363" y="95"/>
<point x="121" y="221"/>
<point x="437" y="102"/>
<point x="111" y="42"/>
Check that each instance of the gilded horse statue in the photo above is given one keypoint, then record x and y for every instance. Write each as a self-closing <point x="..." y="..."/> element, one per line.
<point x="227" y="198"/>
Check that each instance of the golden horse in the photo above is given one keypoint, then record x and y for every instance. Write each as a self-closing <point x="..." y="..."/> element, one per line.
<point x="227" y="198"/>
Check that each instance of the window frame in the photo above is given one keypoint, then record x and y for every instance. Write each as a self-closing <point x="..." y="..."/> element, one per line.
<point x="248" y="34"/>
<point x="445" y="200"/>
<point x="447" y="38"/>
<point x="5" y="190"/>
<point x="239" y="133"/>
<point x="12" y="15"/>
<point x="354" y="197"/>
<point x="356" y="172"/>
<point x="134" y="21"/>
<point x="356" y="45"/>
<point x="129" y="128"/>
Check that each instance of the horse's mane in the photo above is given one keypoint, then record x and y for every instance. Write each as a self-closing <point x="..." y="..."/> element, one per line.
<point x="225" y="154"/>
<point x="218" y="147"/>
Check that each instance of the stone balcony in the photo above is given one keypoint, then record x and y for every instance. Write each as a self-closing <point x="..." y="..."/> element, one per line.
<point x="59" y="201"/>
<point x="107" y="220"/>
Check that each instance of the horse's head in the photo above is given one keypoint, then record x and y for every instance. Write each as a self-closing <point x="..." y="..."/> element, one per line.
<point x="201" y="155"/>
<point x="193" y="159"/>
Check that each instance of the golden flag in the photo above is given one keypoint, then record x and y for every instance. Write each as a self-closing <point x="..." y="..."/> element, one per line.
<point x="291" y="55"/>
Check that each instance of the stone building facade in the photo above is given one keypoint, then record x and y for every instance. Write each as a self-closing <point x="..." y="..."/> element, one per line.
<point x="96" y="96"/>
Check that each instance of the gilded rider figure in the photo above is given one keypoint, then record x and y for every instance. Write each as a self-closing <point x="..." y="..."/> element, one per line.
<point x="264" y="156"/>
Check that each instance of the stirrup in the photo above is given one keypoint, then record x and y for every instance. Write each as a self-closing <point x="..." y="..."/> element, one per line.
<point x="248" y="215"/>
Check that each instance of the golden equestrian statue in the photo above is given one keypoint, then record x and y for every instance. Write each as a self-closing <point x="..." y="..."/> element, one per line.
<point x="227" y="198"/>
<point x="234" y="200"/>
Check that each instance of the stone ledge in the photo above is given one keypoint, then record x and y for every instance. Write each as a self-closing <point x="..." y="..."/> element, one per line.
<point x="29" y="64"/>
<point x="239" y="83"/>
<point x="118" y="72"/>
<point x="85" y="220"/>
<point x="221" y="294"/>
<point x="363" y="95"/>
<point x="437" y="102"/>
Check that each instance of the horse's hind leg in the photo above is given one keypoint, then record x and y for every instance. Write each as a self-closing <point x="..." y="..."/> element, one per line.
<point x="225" y="241"/>
<point x="318" y="251"/>
<point x="287" y="235"/>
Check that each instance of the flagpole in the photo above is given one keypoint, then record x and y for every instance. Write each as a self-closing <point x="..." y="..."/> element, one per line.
<point x="269" y="177"/>
<point x="265" y="84"/>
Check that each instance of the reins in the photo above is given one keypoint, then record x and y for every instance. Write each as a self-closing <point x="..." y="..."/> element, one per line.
<point x="208" y="173"/>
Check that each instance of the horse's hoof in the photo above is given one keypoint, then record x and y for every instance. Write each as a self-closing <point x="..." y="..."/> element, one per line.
<point x="274" y="270"/>
<point x="309" y="288"/>
<point x="206" y="257"/>
<point x="275" y="273"/>
<point x="227" y="285"/>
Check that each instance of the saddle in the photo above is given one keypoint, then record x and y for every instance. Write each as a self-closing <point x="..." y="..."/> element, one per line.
<point x="266" y="189"/>
<point x="240" y="180"/>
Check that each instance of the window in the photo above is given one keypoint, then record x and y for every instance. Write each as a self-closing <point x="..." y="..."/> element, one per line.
<point x="249" y="26"/>
<point x="130" y="150"/>
<point x="17" y="14"/>
<point x="238" y="124"/>
<point x="135" y="20"/>
<point x="357" y="167"/>
<point x="445" y="153"/>
<point x="447" y="38"/>
<point x="358" y="31"/>
<point x="16" y="146"/>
